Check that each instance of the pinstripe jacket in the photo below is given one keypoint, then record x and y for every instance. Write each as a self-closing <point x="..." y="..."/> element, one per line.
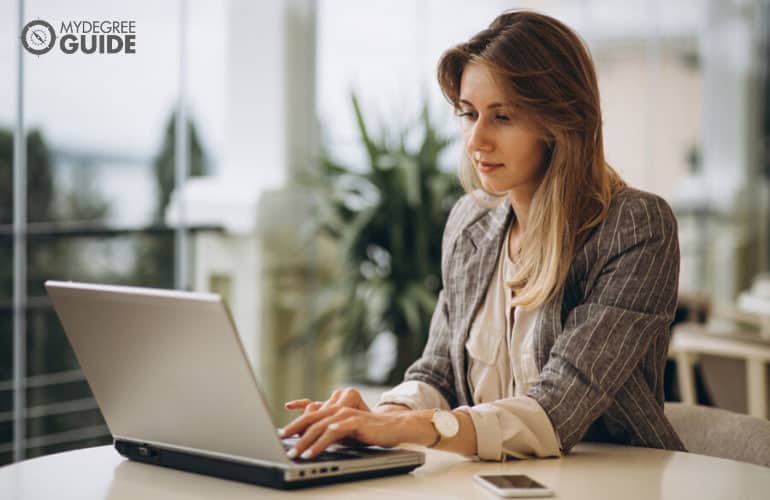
<point x="600" y="346"/>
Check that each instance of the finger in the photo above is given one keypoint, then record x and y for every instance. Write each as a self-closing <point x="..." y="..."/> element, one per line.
<point x="351" y="397"/>
<point x="297" y="404"/>
<point x="334" y="398"/>
<point x="336" y="431"/>
<point x="314" y="406"/>
<point x="301" y="423"/>
<point x="315" y="431"/>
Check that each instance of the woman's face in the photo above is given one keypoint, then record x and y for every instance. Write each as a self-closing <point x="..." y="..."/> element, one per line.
<point x="504" y="147"/>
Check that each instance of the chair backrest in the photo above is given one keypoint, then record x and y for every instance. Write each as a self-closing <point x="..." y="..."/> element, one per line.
<point x="721" y="433"/>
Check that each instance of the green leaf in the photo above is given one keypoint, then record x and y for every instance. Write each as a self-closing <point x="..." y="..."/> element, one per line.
<point x="371" y="148"/>
<point x="410" y="179"/>
<point x="411" y="314"/>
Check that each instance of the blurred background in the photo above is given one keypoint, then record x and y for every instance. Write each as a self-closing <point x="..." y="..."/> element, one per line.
<point x="297" y="157"/>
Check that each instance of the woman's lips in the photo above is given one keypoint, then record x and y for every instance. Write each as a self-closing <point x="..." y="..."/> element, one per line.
<point x="488" y="167"/>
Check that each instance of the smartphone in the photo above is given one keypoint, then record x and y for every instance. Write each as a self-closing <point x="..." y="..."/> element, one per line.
<point x="513" y="485"/>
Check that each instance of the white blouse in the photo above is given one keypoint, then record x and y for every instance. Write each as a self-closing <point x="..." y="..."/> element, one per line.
<point x="501" y="368"/>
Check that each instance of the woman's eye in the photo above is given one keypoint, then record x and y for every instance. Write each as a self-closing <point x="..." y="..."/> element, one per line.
<point x="466" y="114"/>
<point x="502" y="118"/>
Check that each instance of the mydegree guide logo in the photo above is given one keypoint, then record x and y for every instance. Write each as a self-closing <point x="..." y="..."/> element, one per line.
<point x="85" y="37"/>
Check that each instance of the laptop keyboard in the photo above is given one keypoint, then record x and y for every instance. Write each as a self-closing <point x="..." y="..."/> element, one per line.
<point x="337" y="454"/>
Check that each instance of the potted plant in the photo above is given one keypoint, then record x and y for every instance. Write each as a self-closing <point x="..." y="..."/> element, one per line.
<point x="386" y="222"/>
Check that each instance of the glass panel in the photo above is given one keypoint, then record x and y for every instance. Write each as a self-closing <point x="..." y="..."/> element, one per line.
<point x="98" y="128"/>
<point x="8" y="65"/>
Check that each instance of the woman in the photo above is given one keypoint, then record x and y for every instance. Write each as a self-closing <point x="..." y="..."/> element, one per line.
<point x="553" y="323"/>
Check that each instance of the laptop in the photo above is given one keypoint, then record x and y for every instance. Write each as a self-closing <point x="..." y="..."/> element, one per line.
<point x="171" y="377"/>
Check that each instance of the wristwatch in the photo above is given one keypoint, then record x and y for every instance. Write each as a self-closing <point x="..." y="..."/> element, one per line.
<point x="446" y="425"/>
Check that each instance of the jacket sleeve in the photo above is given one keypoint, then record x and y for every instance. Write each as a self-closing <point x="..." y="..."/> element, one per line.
<point x="434" y="367"/>
<point x="630" y="299"/>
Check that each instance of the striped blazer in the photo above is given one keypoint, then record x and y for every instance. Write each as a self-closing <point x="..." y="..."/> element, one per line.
<point x="600" y="345"/>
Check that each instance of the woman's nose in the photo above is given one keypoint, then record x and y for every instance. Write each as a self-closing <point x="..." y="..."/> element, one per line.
<point x="478" y="138"/>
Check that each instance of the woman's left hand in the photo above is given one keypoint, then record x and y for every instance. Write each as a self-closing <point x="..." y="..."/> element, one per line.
<point x="332" y="423"/>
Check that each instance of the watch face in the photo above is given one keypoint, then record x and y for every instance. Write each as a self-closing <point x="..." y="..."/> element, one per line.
<point x="38" y="37"/>
<point x="446" y="423"/>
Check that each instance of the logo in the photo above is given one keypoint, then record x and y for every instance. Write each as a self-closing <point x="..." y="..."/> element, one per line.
<point x="38" y="37"/>
<point x="81" y="37"/>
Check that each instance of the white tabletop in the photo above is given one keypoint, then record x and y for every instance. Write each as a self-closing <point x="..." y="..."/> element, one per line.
<point x="591" y="471"/>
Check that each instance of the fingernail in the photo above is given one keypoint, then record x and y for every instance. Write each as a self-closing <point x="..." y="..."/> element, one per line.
<point x="333" y="427"/>
<point x="280" y="432"/>
<point x="292" y="453"/>
<point x="306" y="454"/>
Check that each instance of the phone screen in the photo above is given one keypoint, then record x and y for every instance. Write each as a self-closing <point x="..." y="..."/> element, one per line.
<point x="504" y="481"/>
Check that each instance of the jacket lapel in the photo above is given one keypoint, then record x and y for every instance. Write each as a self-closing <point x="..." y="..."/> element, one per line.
<point x="477" y="252"/>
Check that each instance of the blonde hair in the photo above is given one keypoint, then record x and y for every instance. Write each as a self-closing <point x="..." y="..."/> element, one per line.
<point x="549" y="75"/>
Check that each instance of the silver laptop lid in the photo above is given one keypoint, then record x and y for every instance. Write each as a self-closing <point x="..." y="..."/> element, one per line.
<point x="167" y="368"/>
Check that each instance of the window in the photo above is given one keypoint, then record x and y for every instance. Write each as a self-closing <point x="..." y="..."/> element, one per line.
<point x="99" y="129"/>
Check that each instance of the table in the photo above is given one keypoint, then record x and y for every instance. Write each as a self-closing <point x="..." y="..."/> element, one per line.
<point x="591" y="471"/>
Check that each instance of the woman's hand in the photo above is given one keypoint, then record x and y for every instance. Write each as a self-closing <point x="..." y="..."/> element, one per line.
<point x="345" y="415"/>
<point x="349" y="397"/>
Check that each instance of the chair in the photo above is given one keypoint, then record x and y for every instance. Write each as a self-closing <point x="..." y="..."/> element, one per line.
<point x="721" y="433"/>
